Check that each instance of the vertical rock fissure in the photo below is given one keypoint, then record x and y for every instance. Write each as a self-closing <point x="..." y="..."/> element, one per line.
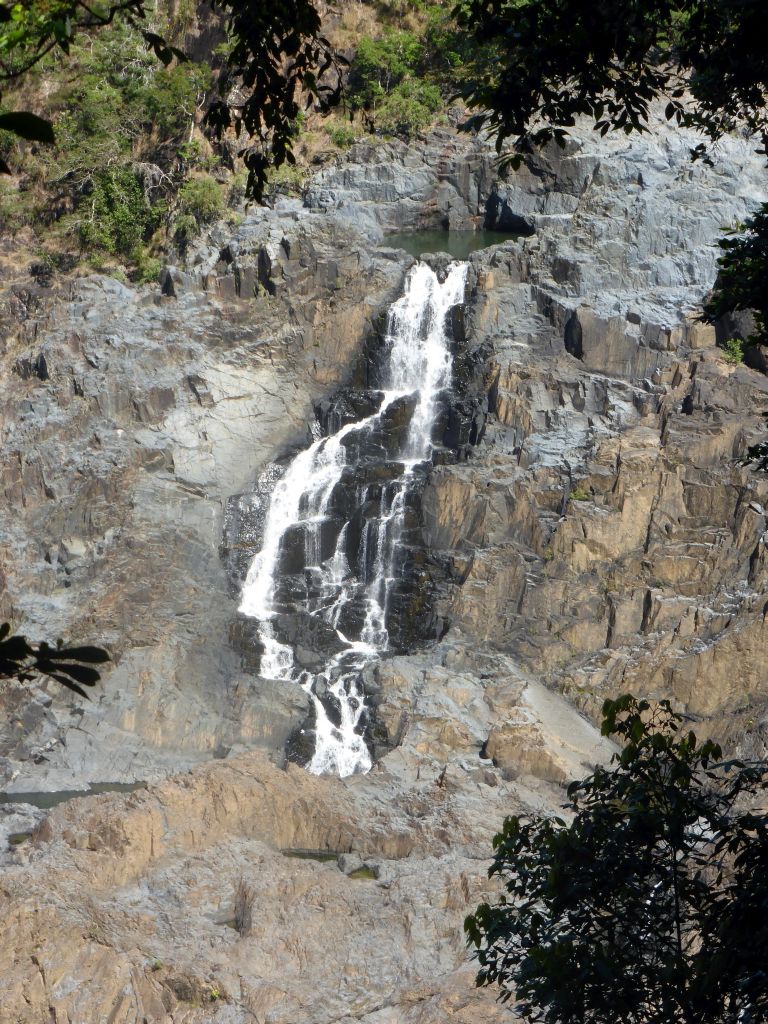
<point x="321" y="585"/>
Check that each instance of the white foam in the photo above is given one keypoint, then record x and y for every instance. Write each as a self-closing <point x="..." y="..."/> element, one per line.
<point x="419" y="363"/>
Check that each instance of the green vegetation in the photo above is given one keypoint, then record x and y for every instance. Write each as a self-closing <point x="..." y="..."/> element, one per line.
<point x="341" y="134"/>
<point x="116" y="217"/>
<point x="742" y="282"/>
<point x="281" y="62"/>
<point x="288" y="179"/>
<point x="529" y="66"/>
<point x="579" y="493"/>
<point x="148" y="267"/>
<point x="409" y="109"/>
<point x="275" y="54"/>
<point x="651" y="905"/>
<point x="380" y="65"/>
<point x="402" y="78"/>
<point x="202" y="199"/>
<point x="125" y="140"/>
<point x="733" y="350"/>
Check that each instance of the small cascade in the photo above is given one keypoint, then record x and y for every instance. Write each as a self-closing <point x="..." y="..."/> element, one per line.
<point x="329" y="556"/>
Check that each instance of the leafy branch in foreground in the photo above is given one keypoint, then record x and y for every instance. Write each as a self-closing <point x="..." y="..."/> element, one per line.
<point x="561" y="59"/>
<point x="70" y="666"/>
<point x="742" y="281"/>
<point x="30" y="30"/>
<point x="651" y="905"/>
<point x="277" y="63"/>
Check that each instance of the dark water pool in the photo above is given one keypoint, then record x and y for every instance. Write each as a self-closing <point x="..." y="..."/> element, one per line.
<point x="458" y="243"/>
<point x="47" y="800"/>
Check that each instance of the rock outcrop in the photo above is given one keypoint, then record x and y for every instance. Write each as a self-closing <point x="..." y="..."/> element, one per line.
<point x="244" y="891"/>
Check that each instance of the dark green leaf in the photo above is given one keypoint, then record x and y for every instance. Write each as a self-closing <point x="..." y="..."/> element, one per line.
<point x="91" y="655"/>
<point x="27" y="126"/>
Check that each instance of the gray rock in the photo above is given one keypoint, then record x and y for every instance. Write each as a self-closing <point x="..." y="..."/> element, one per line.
<point x="349" y="862"/>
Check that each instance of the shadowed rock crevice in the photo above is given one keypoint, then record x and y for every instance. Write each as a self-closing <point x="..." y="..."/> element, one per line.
<point x="500" y="217"/>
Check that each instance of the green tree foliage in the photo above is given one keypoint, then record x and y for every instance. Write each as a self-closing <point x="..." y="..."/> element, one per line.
<point x="453" y="53"/>
<point x="341" y="134"/>
<point x="389" y="79"/>
<point x="409" y="108"/>
<point x="276" y="61"/>
<point x="743" y="279"/>
<point x="651" y="905"/>
<point x="115" y="109"/>
<point x="118" y="217"/>
<point x="30" y="30"/>
<point x="559" y="59"/>
<point x="202" y="199"/>
<point x="72" y="667"/>
<point x="381" y="64"/>
<point x="200" y="202"/>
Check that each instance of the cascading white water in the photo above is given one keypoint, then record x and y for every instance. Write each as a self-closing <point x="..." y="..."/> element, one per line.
<point x="418" y="365"/>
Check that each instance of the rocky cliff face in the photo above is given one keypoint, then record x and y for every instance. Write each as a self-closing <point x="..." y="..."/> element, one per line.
<point x="154" y="409"/>
<point x="595" y="534"/>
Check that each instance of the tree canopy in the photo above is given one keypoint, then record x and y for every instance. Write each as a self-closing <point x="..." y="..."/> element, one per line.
<point x="742" y="283"/>
<point x="278" y="62"/>
<point x="560" y="59"/>
<point x="651" y="905"/>
<point x="30" y="30"/>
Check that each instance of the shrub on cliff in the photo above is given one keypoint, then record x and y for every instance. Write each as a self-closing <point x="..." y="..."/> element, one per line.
<point x="401" y="77"/>
<point x="201" y="198"/>
<point x="116" y="216"/>
<point x="381" y="64"/>
<point x="410" y="108"/>
<point x="651" y="905"/>
<point x="742" y="282"/>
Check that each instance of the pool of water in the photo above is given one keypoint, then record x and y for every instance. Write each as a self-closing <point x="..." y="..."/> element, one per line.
<point x="302" y="854"/>
<point x="47" y="800"/>
<point x="458" y="244"/>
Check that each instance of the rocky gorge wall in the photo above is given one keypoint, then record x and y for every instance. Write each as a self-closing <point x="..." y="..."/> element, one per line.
<point x="599" y="537"/>
<point x="119" y="464"/>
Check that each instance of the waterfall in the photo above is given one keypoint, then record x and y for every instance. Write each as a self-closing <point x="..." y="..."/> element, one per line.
<point x="336" y="518"/>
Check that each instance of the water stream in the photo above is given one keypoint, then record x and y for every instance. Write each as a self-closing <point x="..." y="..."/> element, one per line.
<point x="336" y="517"/>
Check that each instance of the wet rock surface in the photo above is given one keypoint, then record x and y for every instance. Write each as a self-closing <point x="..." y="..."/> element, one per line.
<point x="595" y="535"/>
